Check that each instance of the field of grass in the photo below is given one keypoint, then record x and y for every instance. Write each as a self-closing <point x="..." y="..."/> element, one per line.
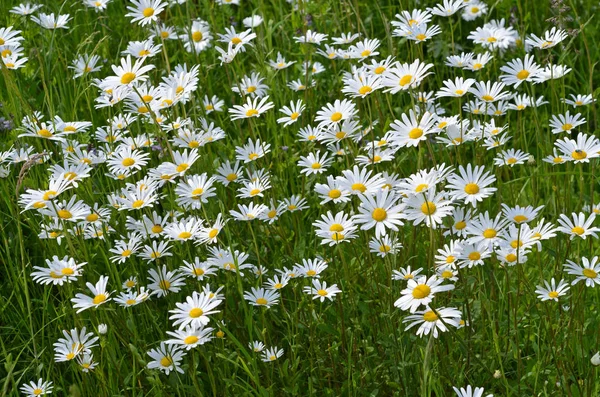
<point x="125" y="194"/>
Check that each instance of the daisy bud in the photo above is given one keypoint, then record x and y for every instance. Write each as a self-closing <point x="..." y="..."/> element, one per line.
<point x="596" y="359"/>
<point x="497" y="374"/>
<point x="102" y="329"/>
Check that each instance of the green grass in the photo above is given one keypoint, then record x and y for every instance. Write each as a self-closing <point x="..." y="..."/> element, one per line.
<point x="514" y="344"/>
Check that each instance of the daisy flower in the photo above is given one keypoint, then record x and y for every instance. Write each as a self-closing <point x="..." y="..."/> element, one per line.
<point x="565" y="122"/>
<point x="430" y="321"/>
<point x="291" y="113"/>
<point x="578" y="225"/>
<point x="166" y="358"/>
<point x="412" y="129"/>
<point x="332" y="114"/>
<point x="271" y="354"/>
<point x="550" y="38"/>
<point x="551" y="291"/>
<point x="39" y="388"/>
<point x="189" y="337"/>
<point x="320" y="291"/>
<point x="428" y="207"/>
<point x="470" y="392"/>
<point x="314" y="163"/>
<point x="384" y="245"/>
<point x="335" y="229"/>
<point x="583" y="149"/>
<point x="262" y="297"/>
<point x="163" y="282"/>
<point x="145" y="11"/>
<point x="457" y="88"/>
<point x="402" y="77"/>
<point x="518" y="71"/>
<point x="406" y="273"/>
<point x="194" y="311"/>
<point x="380" y="211"/>
<point x="99" y="292"/>
<point x="361" y="84"/>
<point x="471" y="184"/>
<point x="511" y="157"/>
<point x="50" y="21"/>
<point x="252" y="108"/>
<point x="588" y="271"/>
<point x="421" y="291"/>
<point x="489" y="92"/>
<point x="332" y="191"/>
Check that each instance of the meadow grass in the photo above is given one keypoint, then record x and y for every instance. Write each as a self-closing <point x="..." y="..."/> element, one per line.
<point x="512" y="343"/>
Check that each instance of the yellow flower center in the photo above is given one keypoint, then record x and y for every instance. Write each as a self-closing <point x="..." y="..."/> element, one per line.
<point x="143" y="53"/>
<point x="261" y="301"/>
<point x="251" y="89"/>
<point x="64" y="214"/>
<point x="365" y="53"/>
<point x="471" y="188"/>
<point x="190" y="340"/>
<point x="420" y="37"/>
<point x="428" y="208"/>
<point x="148" y="12"/>
<point x="421" y="187"/>
<point x="157" y="229"/>
<point x="415" y="133"/>
<point x="311" y="273"/>
<point x="520" y="218"/>
<point x="50" y="194"/>
<point x="254" y="192"/>
<point x="316" y="166"/>
<point x="39" y="204"/>
<point x="130" y="302"/>
<point x="236" y="40"/>
<point x="487" y="97"/>
<point x="128" y="162"/>
<point x="447" y="274"/>
<point x="365" y="90"/>
<point x="98" y="299"/>
<point x="553" y="294"/>
<point x="405" y="80"/>
<point x="511" y="160"/>
<point x="166" y="361"/>
<point x="360" y="187"/>
<point x="474" y="256"/>
<point x="137" y="203"/>
<point x="590" y="273"/>
<point x="450" y="259"/>
<point x="385" y="248"/>
<point x="336" y="227"/>
<point x="489" y="233"/>
<point x="251" y="112"/>
<point x="197" y="36"/>
<point x="37" y="392"/>
<point x="44" y="133"/>
<point x="67" y="271"/>
<point x="182" y="167"/>
<point x="337" y="116"/>
<point x="578" y="230"/>
<point x="184" y="235"/>
<point x="127" y="77"/>
<point x="334" y="193"/>
<point x="294" y="115"/>
<point x="511" y="257"/>
<point x="421" y="291"/>
<point x="523" y="74"/>
<point x="379" y="70"/>
<point x="196" y="312"/>
<point x="578" y="155"/>
<point x="430" y="316"/>
<point x="460" y="225"/>
<point x="93" y="217"/>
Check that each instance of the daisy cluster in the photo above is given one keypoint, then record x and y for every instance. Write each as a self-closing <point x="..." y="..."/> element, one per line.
<point x="175" y="168"/>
